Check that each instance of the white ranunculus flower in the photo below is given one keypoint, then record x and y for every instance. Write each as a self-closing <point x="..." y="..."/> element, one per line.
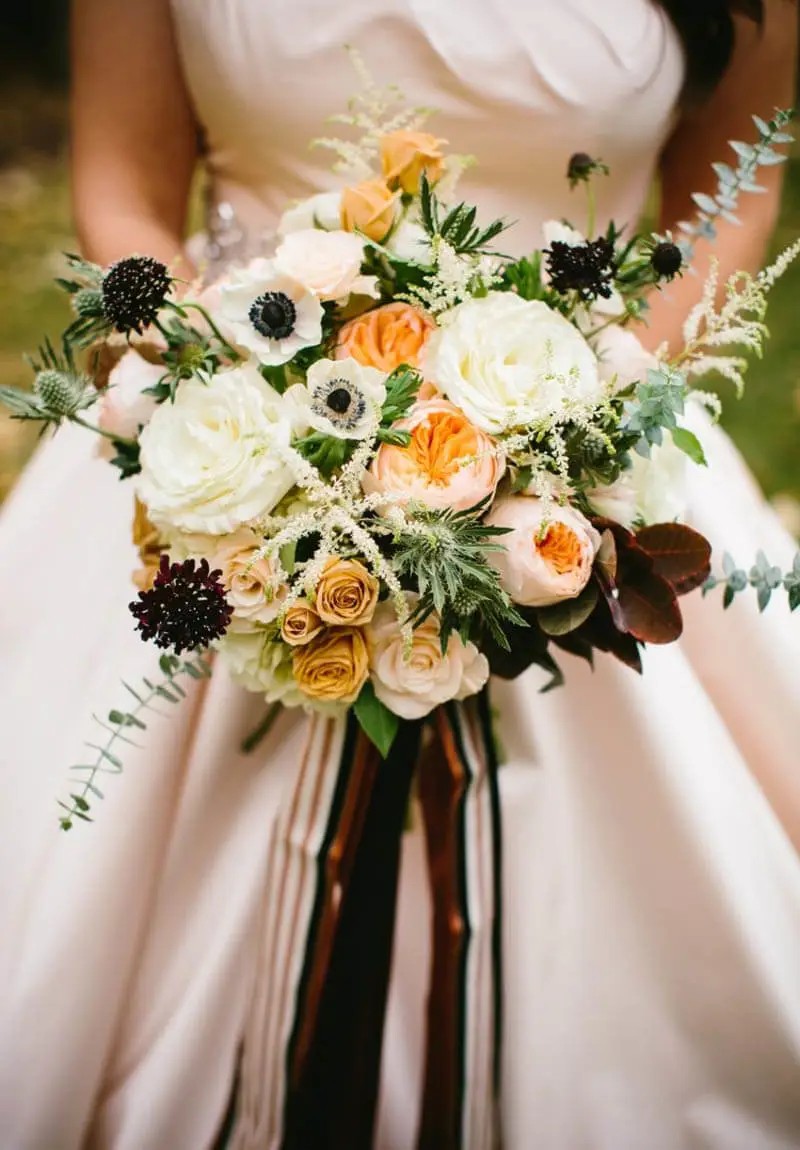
<point x="262" y="665"/>
<point x="409" y="241"/>
<point x="327" y="264"/>
<point x="263" y="311"/>
<point x="322" y="211"/>
<point x="341" y="397"/>
<point x="508" y="362"/>
<point x="653" y="490"/>
<point x="123" y="407"/>
<point x="621" y="359"/>
<point x="214" y="459"/>
<point x="548" y="554"/>
<point x="412" y="687"/>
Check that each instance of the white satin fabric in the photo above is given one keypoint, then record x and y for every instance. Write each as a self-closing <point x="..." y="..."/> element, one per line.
<point x="651" y="891"/>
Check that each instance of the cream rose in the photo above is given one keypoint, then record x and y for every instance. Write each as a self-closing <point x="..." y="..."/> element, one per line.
<point x="327" y="264"/>
<point x="212" y="460"/>
<point x="123" y="407"/>
<point x="621" y="359"/>
<point x="508" y="362"/>
<point x="333" y="667"/>
<point x="412" y="686"/>
<point x="447" y="463"/>
<point x="322" y="211"/>
<point x="410" y="242"/>
<point x="548" y="554"/>
<point x="249" y="580"/>
<point x="653" y="490"/>
<point x="347" y="593"/>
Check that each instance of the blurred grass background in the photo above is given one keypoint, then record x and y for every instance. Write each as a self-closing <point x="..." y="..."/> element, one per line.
<point x="35" y="228"/>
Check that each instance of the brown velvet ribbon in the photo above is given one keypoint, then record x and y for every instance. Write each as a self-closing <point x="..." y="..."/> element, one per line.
<point x="334" y="1054"/>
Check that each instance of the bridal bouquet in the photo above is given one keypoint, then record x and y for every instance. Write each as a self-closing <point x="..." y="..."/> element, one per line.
<point x="383" y="460"/>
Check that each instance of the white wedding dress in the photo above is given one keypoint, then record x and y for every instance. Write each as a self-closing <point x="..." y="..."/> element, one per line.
<point x="651" y="889"/>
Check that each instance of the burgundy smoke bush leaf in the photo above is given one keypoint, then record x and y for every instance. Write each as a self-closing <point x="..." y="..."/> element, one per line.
<point x="650" y="609"/>
<point x="680" y="555"/>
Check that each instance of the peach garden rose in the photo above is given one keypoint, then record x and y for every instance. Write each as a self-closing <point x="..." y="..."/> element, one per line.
<point x="386" y="337"/>
<point x="548" y="554"/>
<point x="448" y="462"/>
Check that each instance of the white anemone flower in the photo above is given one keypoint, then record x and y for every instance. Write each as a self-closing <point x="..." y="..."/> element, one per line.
<point x="341" y="397"/>
<point x="265" y="312"/>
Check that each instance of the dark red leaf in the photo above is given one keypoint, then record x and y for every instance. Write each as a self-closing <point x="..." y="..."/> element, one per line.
<point x="650" y="609"/>
<point x="600" y="631"/>
<point x="680" y="555"/>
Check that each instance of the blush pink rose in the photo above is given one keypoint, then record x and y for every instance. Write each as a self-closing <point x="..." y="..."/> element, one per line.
<point x="549" y="553"/>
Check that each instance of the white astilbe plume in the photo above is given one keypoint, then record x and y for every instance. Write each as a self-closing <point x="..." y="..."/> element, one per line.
<point x="373" y="112"/>
<point x="455" y="277"/>
<point x="337" y="511"/>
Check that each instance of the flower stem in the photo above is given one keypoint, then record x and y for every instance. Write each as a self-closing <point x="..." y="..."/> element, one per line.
<point x="101" y="431"/>
<point x="182" y="308"/>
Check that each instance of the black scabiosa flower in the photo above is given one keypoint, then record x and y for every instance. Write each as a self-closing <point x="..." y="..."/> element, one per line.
<point x="273" y="315"/>
<point x="666" y="259"/>
<point x="587" y="268"/>
<point x="185" y="609"/>
<point x="133" y="291"/>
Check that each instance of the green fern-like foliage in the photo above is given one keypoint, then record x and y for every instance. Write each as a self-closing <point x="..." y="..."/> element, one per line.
<point x="458" y="225"/>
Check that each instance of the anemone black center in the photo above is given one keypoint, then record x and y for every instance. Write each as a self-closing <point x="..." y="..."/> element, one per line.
<point x="273" y="315"/>
<point x="339" y="400"/>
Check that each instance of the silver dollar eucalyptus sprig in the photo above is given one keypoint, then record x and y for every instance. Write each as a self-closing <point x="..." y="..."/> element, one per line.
<point x="764" y="577"/>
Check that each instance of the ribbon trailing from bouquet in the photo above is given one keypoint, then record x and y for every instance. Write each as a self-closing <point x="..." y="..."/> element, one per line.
<point x="310" y="1068"/>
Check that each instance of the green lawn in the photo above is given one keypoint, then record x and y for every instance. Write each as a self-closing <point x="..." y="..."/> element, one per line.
<point x="35" y="227"/>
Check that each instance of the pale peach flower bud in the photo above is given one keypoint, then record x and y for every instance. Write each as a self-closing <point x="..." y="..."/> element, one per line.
<point x="406" y="155"/>
<point x="369" y="207"/>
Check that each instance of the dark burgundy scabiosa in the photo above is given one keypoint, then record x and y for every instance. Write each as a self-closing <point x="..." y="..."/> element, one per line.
<point x="133" y="290"/>
<point x="666" y="259"/>
<point x="185" y="609"/>
<point x="587" y="268"/>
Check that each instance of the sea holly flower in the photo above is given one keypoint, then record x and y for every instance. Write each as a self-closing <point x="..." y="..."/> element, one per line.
<point x="265" y="312"/>
<point x="185" y="609"/>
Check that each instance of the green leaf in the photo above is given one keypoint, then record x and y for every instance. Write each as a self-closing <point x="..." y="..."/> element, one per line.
<point x="687" y="442"/>
<point x="568" y="615"/>
<point x="378" y="723"/>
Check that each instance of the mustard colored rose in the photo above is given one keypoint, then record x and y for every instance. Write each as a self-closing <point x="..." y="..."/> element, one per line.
<point x="300" y="624"/>
<point x="406" y="155"/>
<point x="386" y="337"/>
<point x="333" y="667"/>
<point x="148" y="543"/>
<point x="369" y="208"/>
<point x="347" y="593"/>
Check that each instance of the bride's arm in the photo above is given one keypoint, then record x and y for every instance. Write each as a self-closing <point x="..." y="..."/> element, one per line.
<point x="761" y="77"/>
<point x="133" y="132"/>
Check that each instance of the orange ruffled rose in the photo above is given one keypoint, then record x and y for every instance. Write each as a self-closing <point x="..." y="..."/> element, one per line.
<point x="448" y="463"/>
<point x="369" y="208"/>
<point x="406" y="155"/>
<point x="386" y="337"/>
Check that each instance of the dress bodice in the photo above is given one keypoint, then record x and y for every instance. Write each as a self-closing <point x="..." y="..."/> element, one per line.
<point x="519" y="84"/>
